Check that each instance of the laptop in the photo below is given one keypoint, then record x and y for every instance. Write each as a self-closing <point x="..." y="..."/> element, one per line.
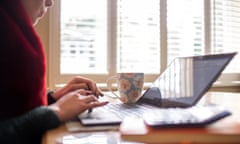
<point x="181" y="85"/>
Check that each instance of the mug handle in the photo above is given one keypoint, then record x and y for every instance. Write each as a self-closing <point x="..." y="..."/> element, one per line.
<point x="109" y="86"/>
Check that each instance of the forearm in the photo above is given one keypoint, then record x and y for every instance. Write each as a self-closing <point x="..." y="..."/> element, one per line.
<point x="28" y="128"/>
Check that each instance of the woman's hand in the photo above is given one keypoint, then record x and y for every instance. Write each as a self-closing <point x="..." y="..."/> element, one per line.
<point x="73" y="103"/>
<point x="76" y="83"/>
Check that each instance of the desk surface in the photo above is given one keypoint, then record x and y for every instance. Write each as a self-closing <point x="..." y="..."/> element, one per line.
<point x="228" y="100"/>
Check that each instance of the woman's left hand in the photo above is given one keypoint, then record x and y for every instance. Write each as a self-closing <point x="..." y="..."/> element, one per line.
<point x="79" y="82"/>
<point x="74" y="103"/>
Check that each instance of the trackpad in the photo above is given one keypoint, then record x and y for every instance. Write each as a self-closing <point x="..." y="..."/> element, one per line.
<point x="98" y="117"/>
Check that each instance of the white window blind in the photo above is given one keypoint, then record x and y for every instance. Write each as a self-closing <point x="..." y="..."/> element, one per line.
<point x="185" y="28"/>
<point x="138" y="36"/>
<point x="98" y="38"/>
<point x="225" y="30"/>
<point x="83" y="36"/>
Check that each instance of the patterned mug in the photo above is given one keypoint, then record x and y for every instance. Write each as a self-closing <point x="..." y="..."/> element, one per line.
<point x="129" y="86"/>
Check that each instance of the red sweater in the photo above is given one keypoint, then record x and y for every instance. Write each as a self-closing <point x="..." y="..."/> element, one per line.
<point x="22" y="62"/>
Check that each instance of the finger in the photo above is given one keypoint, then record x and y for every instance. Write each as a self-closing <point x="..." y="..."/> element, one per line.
<point x="96" y="90"/>
<point x="97" y="104"/>
<point x="87" y="84"/>
<point x="80" y="86"/>
<point x="99" y="91"/>
<point x="76" y="86"/>
<point x="92" y="87"/>
<point x="89" y="98"/>
<point x="85" y="92"/>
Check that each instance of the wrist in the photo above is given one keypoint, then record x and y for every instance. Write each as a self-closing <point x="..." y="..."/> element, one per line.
<point x="57" y="111"/>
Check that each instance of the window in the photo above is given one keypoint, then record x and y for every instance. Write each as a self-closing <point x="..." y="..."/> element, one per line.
<point x="138" y="36"/>
<point x="98" y="38"/>
<point x="83" y="37"/>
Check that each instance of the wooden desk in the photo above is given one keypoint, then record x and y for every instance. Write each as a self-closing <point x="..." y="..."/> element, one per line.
<point x="229" y="100"/>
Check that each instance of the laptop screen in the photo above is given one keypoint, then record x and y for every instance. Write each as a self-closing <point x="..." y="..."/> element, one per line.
<point x="186" y="79"/>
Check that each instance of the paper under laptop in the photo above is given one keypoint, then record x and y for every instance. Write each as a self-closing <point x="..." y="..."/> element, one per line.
<point x="182" y="84"/>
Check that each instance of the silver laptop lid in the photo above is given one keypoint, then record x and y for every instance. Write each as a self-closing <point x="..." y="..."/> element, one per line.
<point x="187" y="79"/>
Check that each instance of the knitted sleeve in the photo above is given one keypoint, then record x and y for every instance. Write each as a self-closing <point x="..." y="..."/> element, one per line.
<point x="51" y="100"/>
<point x="28" y="128"/>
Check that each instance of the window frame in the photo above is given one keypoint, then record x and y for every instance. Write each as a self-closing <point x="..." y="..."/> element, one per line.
<point x="56" y="79"/>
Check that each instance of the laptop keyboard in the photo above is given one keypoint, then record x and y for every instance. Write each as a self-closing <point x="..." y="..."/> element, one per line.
<point x="154" y="116"/>
<point x="192" y="116"/>
<point x="127" y="110"/>
<point x="169" y="116"/>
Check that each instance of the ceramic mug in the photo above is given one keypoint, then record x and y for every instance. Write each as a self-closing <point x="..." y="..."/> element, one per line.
<point x="129" y="86"/>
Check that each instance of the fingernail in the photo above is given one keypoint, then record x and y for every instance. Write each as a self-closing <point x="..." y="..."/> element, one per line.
<point x="106" y="102"/>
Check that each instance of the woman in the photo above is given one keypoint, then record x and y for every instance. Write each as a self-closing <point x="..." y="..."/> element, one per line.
<point x="25" y="110"/>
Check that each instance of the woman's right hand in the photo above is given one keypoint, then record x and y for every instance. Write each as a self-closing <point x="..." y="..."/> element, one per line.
<point x="74" y="103"/>
<point x="75" y="83"/>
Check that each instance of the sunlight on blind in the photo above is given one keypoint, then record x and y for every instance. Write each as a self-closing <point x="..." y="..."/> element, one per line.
<point x="185" y="27"/>
<point x="138" y="36"/>
<point x="84" y="28"/>
<point x="83" y="36"/>
<point x="226" y="29"/>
